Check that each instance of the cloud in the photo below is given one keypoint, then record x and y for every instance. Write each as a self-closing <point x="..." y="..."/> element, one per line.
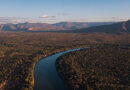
<point x="47" y="16"/>
<point x="114" y="17"/>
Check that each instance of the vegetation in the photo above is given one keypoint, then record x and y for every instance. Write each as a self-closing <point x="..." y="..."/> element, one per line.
<point x="20" y="51"/>
<point x="102" y="68"/>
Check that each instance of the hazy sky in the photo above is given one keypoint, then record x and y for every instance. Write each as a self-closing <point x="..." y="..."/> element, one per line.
<point x="66" y="10"/>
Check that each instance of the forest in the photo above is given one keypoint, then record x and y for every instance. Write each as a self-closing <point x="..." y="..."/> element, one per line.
<point x="20" y="51"/>
<point x="103" y="67"/>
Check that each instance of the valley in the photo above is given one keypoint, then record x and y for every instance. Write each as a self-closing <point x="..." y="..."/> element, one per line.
<point x="64" y="44"/>
<point x="20" y="51"/>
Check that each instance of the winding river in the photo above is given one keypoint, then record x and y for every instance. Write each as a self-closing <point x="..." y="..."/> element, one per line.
<point x="45" y="74"/>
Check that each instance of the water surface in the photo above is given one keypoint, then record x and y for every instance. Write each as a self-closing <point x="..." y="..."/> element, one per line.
<point x="45" y="74"/>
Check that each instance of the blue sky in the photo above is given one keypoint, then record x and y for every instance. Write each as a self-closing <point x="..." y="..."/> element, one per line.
<point x="52" y="11"/>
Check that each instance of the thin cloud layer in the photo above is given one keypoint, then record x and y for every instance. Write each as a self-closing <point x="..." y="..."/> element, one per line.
<point x="47" y="16"/>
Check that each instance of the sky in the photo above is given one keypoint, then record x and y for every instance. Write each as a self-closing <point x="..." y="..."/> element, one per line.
<point x="52" y="11"/>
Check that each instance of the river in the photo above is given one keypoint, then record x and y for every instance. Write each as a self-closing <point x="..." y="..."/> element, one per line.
<point x="45" y="73"/>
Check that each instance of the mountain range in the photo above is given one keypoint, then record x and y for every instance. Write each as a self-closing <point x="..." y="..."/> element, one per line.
<point x="120" y="27"/>
<point x="50" y="27"/>
<point x="71" y="27"/>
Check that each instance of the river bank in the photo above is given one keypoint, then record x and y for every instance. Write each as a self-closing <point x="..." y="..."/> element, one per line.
<point x="95" y="68"/>
<point x="47" y="64"/>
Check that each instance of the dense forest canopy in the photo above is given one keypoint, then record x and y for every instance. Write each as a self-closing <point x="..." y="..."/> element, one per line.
<point x="100" y="68"/>
<point x="19" y="52"/>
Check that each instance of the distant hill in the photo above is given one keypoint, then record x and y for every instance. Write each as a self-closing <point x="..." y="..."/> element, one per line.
<point x="111" y="28"/>
<point x="29" y="27"/>
<point x="50" y="27"/>
<point x="79" y="25"/>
